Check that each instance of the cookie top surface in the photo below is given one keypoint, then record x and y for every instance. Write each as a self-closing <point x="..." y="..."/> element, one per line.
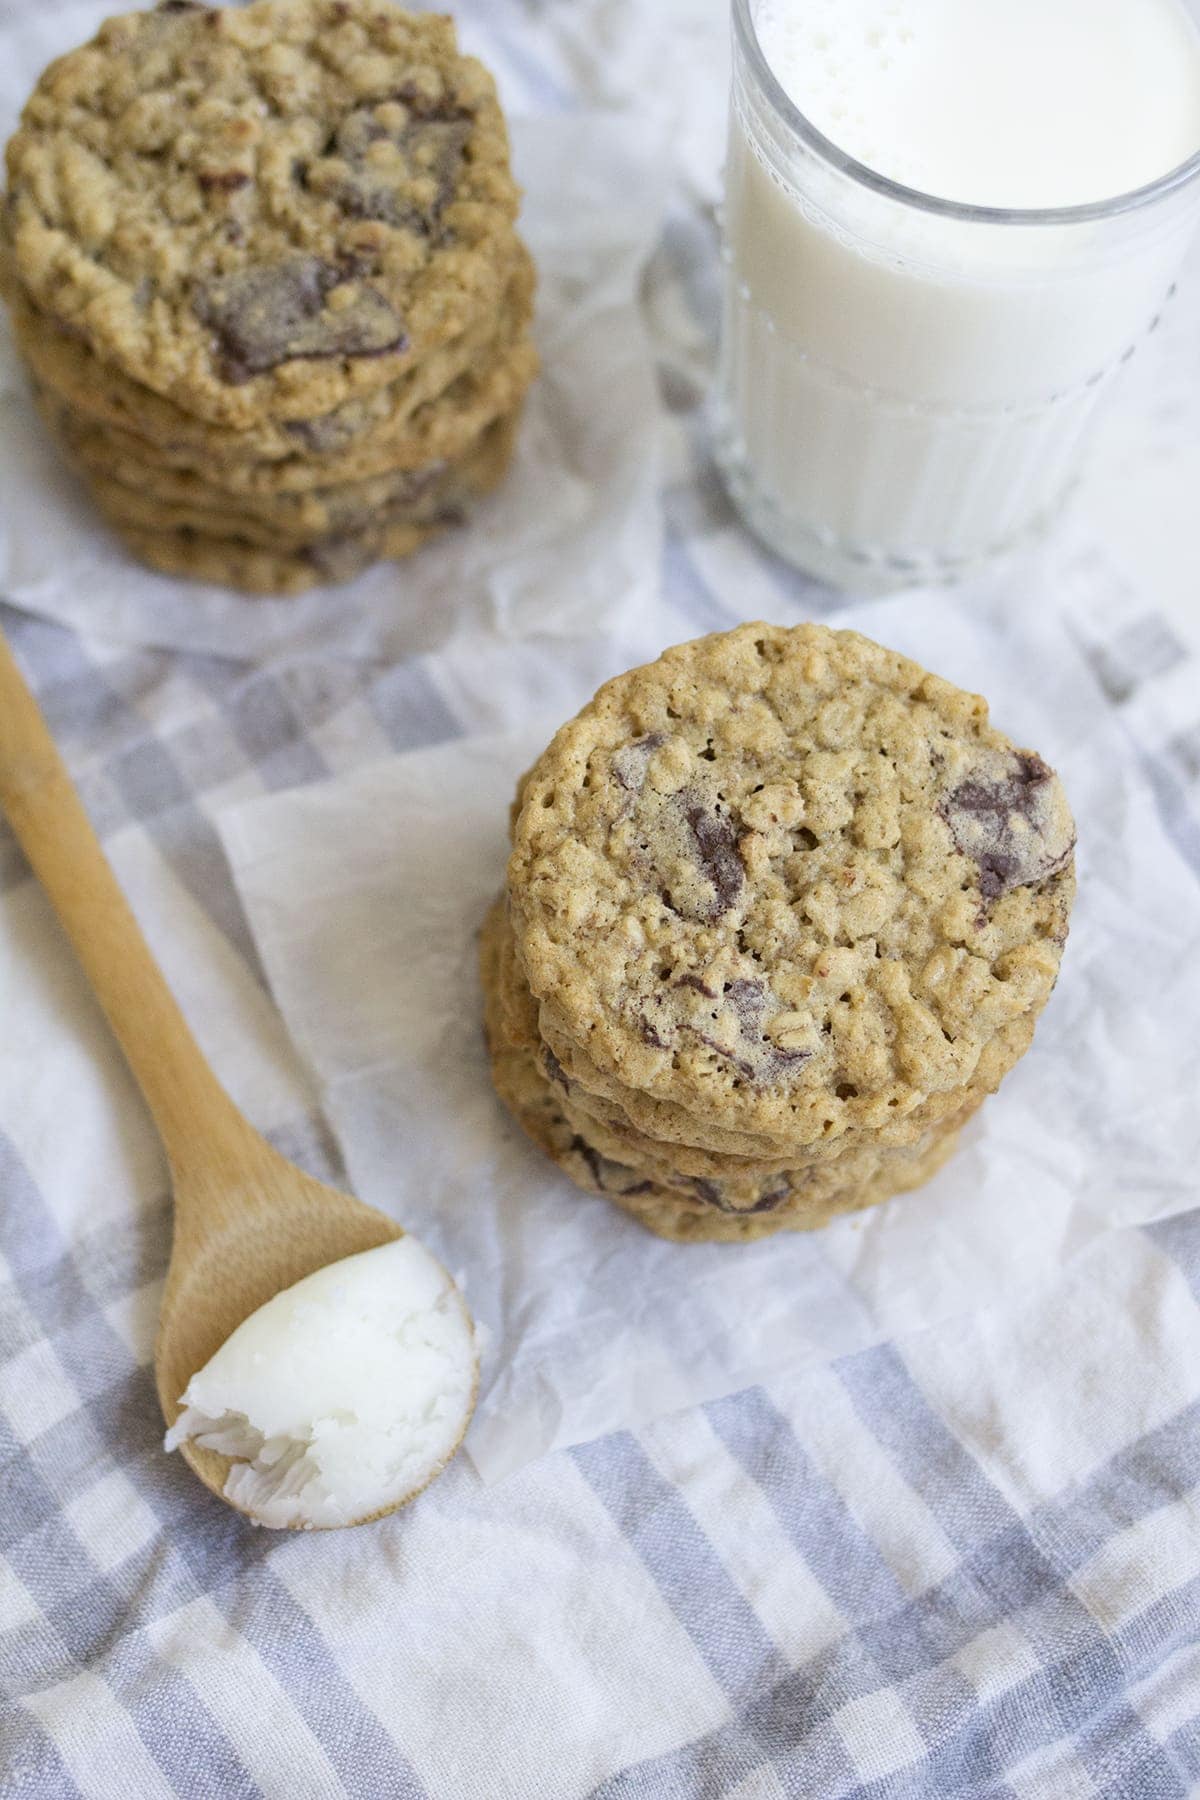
<point x="788" y="880"/>
<point x="263" y="211"/>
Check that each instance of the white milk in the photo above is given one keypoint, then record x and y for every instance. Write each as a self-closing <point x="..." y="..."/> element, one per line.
<point x="905" y="383"/>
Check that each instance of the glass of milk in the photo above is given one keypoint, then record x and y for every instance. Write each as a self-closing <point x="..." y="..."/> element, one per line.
<point x="947" y="225"/>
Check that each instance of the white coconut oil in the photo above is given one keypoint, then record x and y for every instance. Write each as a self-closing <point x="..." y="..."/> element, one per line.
<point x="344" y="1395"/>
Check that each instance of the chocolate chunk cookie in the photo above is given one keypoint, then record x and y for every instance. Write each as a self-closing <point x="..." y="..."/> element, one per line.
<point x="785" y="1185"/>
<point x="170" y="498"/>
<point x="783" y="909"/>
<point x="863" y="953"/>
<point x="260" y="562"/>
<point x="254" y="569"/>
<point x="431" y="408"/>
<point x="697" y="1209"/>
<point x="675" y="1139"/>
<point x="300" y="521"/>
<point x="263" y="211"/>
<point x="263" y="265"/>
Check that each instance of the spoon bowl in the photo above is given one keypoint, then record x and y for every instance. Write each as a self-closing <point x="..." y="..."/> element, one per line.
<point x="264" y="1225"/>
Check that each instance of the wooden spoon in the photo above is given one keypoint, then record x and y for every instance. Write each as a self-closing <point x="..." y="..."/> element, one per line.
<point x="247" y="1222"/>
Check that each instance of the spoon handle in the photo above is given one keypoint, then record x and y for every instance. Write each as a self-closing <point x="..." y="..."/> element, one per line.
<point x="190" y="1108"/>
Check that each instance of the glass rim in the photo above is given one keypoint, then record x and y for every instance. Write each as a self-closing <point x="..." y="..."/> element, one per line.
<point x="802" y="127"/>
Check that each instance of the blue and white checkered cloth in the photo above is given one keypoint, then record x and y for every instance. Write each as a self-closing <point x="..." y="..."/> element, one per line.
<point x="967" y="1563"/>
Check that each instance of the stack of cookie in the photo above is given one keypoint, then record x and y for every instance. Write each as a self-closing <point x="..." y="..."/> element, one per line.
<point x="263" y="267"/>
<point x="782" y="910"/>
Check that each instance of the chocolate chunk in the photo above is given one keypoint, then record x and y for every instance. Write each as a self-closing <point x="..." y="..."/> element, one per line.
<point x="225" y="181"/>
<point x="591" y="1157"/>
<point x="742" y="1064"/>
<point x="276" y="312"/>
<point x="610" y="1177"/>
<point x="630" y="764"/>
<point x="432" y="150"/>
<point x="769" y="1202"/>
<point x="554" y="1069"/>
<point x="694" y="981"/>
<point x="752" y="1054"/>
<point x="687" y="840"/>
<point x="357" y="264"/>
<point x="716" y="848"/>
<point x="650" y="1035"/>
<point x="426" y="106"/>
<point x="753" y="1002"/>
<point x="749" y="1000"/>
<point x="1011" y="818"/>
<point x="321" y="435"/>
<point x="712" y="1193"/>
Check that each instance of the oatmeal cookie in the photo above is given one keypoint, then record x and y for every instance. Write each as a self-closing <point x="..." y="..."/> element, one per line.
<point x="429" y="411"/>
<point x="297" y="520"/>
<point x="279" y="569"/>
<point x="263" y="211"/>
<point x="788" y="882"/>
<point x="690" y="1212"/>
<point x="686" y="1148"/>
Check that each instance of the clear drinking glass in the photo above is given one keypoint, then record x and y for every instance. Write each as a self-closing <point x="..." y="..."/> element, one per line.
<point x="906" y="383"/>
